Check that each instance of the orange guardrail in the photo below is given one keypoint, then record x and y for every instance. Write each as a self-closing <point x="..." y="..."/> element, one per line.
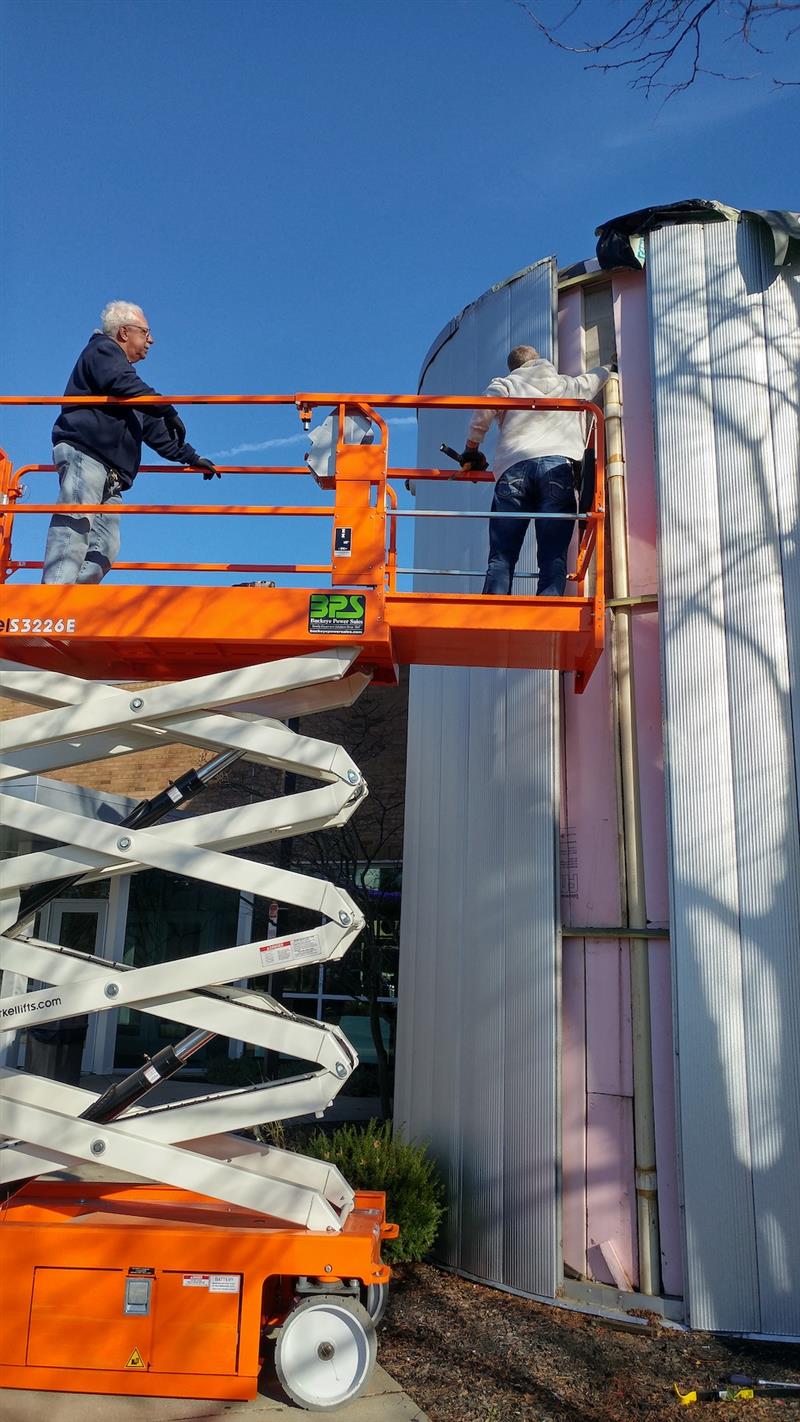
<point x="364" y="516"/>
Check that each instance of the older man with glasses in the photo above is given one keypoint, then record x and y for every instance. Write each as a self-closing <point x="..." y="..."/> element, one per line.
<point x="97" y="449"/>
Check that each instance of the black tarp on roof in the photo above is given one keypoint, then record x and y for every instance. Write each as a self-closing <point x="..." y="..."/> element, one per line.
<point x="614" y="247"/>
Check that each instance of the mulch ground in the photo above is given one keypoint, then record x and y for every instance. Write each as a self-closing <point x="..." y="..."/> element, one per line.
<point x="466" y="1353"/>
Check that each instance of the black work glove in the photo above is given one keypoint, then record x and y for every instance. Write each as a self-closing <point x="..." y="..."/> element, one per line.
<point x="473" y="459"/>
<point x="209" y="469"/>
<point x="176" y="429"/>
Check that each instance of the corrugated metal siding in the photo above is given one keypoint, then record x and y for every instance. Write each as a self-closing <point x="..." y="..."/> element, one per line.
<point x="727" y="397"/>
<point x="477" y="1067"/>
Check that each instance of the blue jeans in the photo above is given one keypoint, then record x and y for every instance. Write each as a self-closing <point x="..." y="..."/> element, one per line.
<point x="81" y="548"/>
<point x="532" y="486"/>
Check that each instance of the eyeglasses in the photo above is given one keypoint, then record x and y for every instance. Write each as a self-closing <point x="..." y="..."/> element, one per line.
<point x="145" y="330"/>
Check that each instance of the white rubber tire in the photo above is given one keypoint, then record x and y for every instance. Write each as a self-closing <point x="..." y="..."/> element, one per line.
<point x="325" y="1352"/>
<point x="375" y="1298"/>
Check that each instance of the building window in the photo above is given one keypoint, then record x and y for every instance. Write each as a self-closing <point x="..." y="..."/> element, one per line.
<point x="170" y="918"/>
<point x="358" y="993"/>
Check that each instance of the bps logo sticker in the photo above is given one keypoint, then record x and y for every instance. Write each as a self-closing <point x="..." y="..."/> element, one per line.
<point x="340" y="614"/>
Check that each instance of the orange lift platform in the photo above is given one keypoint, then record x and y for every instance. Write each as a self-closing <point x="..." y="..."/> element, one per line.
<point x="186" y="1254"/>
<point x="141" y="632"/>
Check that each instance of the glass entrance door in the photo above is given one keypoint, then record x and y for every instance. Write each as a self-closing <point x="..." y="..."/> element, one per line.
<point x="80" y="924"/>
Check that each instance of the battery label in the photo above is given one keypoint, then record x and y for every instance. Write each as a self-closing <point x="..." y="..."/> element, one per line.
<point x="224" y="1283"/>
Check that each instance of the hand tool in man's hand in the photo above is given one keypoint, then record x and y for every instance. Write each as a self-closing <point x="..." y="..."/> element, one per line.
<point x="473" y="459"/>
<point x="450" y="452"/>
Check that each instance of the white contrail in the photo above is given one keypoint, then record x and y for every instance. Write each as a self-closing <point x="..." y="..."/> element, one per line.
<point x="284" y="440"/>
<point x="280" y="443"/>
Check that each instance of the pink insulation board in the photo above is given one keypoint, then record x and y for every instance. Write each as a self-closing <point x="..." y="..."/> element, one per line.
<point x="599" y="1203"/>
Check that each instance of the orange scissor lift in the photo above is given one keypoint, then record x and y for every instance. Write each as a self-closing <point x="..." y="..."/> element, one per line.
<point x="176" y="1280"/>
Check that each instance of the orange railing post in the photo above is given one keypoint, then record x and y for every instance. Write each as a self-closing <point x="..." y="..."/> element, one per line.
<point x="6" y="513"/>
<point x="359" y="519"/>
<point x="391" y="560"/>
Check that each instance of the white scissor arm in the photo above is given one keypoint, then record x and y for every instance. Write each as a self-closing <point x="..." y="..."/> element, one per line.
<point x="223" y="712"/>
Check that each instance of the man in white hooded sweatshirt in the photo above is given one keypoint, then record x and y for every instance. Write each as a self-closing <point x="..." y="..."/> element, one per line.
<point x="534" y="466"/>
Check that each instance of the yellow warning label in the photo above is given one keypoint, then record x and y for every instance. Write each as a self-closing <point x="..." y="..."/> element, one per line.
<point x="136" y="1360"/>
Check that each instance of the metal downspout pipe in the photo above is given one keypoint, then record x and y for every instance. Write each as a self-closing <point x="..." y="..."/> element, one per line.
<point x="623" y="682"/>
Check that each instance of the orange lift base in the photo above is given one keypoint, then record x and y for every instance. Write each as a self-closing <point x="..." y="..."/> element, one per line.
<point x="165" y="633"/>
<point x="218" y="1278"/>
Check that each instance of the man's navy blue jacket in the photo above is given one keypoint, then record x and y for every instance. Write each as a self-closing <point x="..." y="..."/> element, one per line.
<point x="114" y="434"/>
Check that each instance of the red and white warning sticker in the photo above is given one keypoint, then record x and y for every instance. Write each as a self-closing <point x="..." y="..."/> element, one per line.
<point x="299" y="949"/>
<point x="196" y="1281"/>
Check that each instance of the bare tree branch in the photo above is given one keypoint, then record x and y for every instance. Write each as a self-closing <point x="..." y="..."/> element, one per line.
<point x="662" y="41"/>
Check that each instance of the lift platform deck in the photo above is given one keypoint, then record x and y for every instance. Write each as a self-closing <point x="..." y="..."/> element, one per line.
<point x="146" y="631"/>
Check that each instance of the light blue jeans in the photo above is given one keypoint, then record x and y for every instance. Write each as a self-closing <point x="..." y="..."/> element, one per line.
<point x="81" y="548"/>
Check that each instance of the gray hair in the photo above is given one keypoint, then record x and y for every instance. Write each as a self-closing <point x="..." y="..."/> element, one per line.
<point x="520" y="356"/>
<point x="119" y="313"/>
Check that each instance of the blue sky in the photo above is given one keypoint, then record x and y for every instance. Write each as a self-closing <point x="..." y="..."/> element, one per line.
<point x="301" y="194"/>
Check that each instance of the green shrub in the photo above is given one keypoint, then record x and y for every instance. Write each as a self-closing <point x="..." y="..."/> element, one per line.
<point x="371" y="1158"/>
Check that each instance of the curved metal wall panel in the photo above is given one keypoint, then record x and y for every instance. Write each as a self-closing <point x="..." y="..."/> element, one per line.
<point x="477" y="1052"/>
<point x="726" y="383"/>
